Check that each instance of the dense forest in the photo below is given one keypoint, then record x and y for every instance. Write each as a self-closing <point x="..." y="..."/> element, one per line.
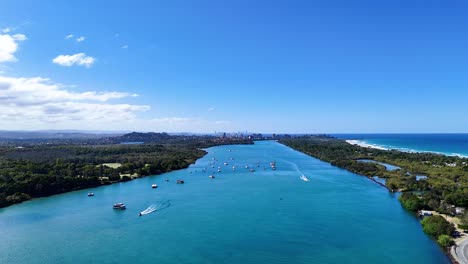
<point x="49" y="167"/>
<point x="446" y="185"/>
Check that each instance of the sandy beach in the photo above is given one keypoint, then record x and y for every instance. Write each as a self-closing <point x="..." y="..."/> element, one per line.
<point x="363" y="144"/>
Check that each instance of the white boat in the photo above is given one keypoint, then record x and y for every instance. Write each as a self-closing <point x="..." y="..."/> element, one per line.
<point x="211" y="176"/>
<point x="304" y="178"/>
<point x="90" y="194"/>
<point x="154" y="185"/>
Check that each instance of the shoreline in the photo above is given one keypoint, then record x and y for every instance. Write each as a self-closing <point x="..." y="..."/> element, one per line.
<point x="450" y="252"/>
<point x="102" y="184"/>
<point x="459" y="242"/>
<point x="363" y="144"/>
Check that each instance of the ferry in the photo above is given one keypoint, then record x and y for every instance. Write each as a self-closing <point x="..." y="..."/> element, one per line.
<point x="154" y="185"/>
<point x="120" y="206"/>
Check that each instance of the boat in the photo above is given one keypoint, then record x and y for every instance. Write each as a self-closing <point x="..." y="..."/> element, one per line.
<point x="120" y="206"/>
<point x="304" y="178"/>
<point x="212" y="176"/>
<point x="251" y="170"/>
<point x="180" y="182"/>
<point x="225" y="163"/>
<point x="154" y="185"/>
<point x="167" y="180"/>
<point x="90" y="194"/>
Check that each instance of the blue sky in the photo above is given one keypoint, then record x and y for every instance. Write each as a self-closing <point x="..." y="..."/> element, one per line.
<point x="260" y="66"/>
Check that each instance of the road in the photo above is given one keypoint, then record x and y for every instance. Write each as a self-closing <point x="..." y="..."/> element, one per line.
<point x="461" y="252"/>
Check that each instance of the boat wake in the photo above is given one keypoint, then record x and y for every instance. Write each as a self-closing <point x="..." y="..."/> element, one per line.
<point x="302" y="177"/>
<point x="156" y="207"/>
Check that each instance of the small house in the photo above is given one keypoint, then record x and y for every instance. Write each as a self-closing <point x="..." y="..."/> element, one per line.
<point x="424" y="213"/>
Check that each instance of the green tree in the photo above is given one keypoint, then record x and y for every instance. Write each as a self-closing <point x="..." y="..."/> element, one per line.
<point x="464" y="221"/>
<point x="445" y="241"/>
<point x="436" y="226"/>
<point x="410" y="201"/>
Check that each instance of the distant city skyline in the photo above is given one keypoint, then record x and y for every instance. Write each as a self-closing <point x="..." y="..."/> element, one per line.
<point x="261" y="66"/>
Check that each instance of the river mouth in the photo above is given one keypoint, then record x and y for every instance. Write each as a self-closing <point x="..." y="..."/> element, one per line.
<point x="240" y="216"/>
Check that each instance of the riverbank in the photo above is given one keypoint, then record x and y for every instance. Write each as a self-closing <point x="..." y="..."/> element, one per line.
<point x="459" y="251"/>
<point x="94" y="182"/>
<point x="446" y="176"/>
<point x="41" y="170"/>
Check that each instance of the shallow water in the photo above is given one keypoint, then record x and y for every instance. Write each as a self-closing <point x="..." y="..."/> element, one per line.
<point x="387" y="166"/>
<point x="264" y="216"/>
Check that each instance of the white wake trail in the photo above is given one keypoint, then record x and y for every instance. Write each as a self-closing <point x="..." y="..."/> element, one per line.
<point x="302" y="177"/>
<point x="155" y="207"/>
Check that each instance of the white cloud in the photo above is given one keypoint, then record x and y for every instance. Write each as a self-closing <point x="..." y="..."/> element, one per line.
<point x="6" y="30"/>
<point x="80" y="39"/>
<point x="19" y="37"/>
<point x="211" y="109"/>
<point x="9" y="45"/>
<point x="69" y="36"/>
<point x="38" y="102"/>
<point x="76" y="59"/>
<point x="125" y="47"/>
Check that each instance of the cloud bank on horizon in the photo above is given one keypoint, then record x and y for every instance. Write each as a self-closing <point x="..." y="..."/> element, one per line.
<point x="31" y="103"/>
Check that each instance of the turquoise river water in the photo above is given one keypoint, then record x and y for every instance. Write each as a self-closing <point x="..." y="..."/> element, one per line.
<point x="266" y="216"/>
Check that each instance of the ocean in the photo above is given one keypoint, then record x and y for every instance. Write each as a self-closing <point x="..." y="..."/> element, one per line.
<point x="447" y="144"/>
<point x="265" y="216"/>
